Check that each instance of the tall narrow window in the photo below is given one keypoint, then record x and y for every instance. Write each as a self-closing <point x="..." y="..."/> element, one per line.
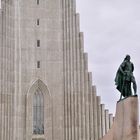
<point x="37" y="21"/>
<point x="38" y="43"/>
<point x="38" y="64"/>
<point x="38" y="113"/>
<point x="37" y="2"/>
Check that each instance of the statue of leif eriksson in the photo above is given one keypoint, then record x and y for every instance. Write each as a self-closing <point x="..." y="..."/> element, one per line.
<point x="124" y="78"/>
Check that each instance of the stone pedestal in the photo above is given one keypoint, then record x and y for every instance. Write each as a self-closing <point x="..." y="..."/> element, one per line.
<point x="125" y="126"/>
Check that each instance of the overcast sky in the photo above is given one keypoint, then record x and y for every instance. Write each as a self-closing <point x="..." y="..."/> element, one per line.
<point x="111" y="30"/>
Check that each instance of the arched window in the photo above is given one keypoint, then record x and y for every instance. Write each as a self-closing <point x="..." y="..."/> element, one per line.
<point x="38" y="112"/>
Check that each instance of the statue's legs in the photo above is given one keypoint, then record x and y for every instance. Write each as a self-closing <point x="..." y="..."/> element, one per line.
<point x="127" y="89"/>
<point x="134" y="84"/>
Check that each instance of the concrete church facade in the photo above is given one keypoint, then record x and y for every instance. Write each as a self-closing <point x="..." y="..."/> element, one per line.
<point x="46" y="91"/>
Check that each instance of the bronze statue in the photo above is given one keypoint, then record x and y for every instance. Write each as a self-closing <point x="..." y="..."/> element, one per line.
<point x="125" y="77"/>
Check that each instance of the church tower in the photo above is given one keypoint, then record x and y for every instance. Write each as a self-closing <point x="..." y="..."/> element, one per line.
<point x="46" y="91"/>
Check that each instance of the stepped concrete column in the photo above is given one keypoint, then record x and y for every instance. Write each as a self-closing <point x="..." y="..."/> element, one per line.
<point x="103" y="119"/>
<point x="110" y="120"/>
<point x="106" y="120"/>
<point x="99" y="117"/>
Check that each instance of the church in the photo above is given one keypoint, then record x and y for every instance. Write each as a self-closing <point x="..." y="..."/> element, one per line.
<point x="46" y="90"/>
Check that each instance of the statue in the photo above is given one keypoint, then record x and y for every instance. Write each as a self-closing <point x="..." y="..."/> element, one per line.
<point x="125" y="77"/>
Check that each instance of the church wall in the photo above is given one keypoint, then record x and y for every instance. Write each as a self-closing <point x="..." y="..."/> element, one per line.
<point x="47" y="112"/>
<point x="24" y="73"/>
<point x="49" y="53"/>
<point x="73" y="111"/>
<point x="6" y="71"/>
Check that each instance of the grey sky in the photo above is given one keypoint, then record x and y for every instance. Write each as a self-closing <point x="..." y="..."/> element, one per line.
<point x="111" y="30"/>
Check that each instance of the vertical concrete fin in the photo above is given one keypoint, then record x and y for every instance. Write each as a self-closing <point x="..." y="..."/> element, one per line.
<point x="91" y="119"/>
<point x="110" y="120"/>
<point x="82" y="87"/>
<point x="4" y="72"/>
<point x="99" y="117"/>
<point x="103" y="119"/>
<point x="82" y="42"/>
<point x="74" y="6"/>
<point x="75" y="76"/>
<point x="86" y="61"/>
<point x="64" y="69"/>
<point x="71" y="65"/>
<point x="1" y="114"/>
<point x="78" y="76"/>
<point x="93" y="110"/>
<point x="74" y="60"/>
<point x="106" y="120"/>
<point x="0" y="73"/>
<point x="95" y="114"/>
<point x="77" y="23"/>
<point x="86" y="95"/>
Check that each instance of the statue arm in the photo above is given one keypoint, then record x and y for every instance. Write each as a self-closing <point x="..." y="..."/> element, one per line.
<point x="121" y="68"/>
<point x="132" y="67"/>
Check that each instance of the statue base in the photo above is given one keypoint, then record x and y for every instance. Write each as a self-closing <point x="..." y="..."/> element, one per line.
<point x="126" y="124"/>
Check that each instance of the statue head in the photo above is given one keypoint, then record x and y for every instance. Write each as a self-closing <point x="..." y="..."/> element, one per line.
<point x="127" y="57"/>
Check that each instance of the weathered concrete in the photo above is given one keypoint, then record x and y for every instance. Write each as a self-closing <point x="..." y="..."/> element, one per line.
<point x="125" y="126"/>
<point x="106" y="120"/>
<point x="42" y="47"/>
<point x="99" y="116"/>
<point x="103" y="119"/>
<point x="110" y="120"/>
